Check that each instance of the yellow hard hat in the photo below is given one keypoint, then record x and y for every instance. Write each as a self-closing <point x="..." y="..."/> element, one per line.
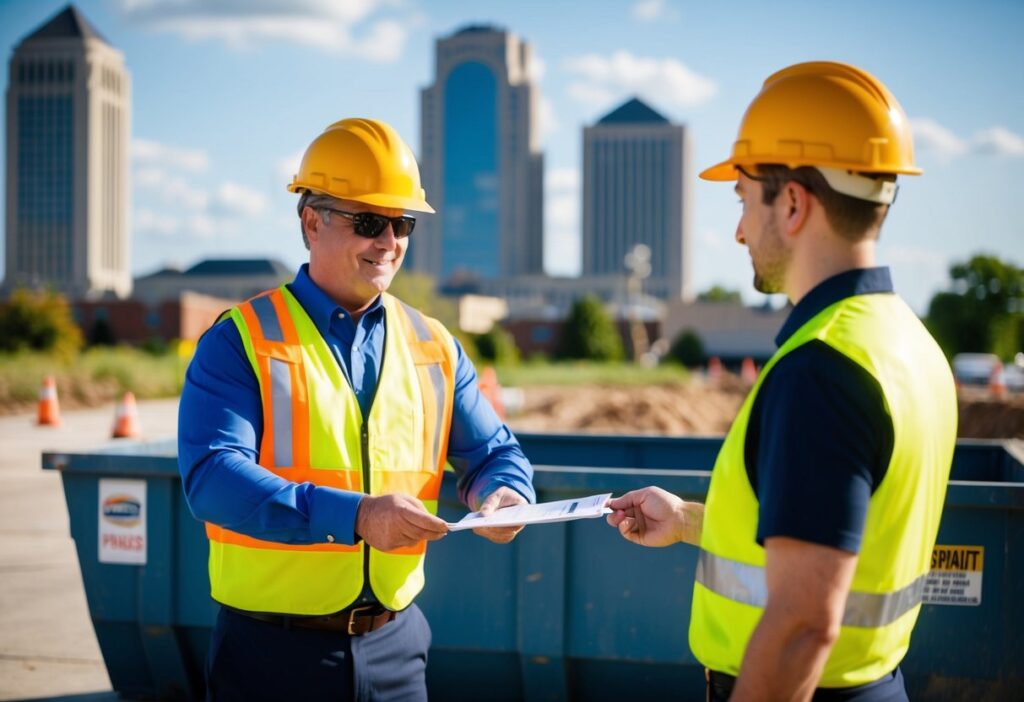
<point x="832" y="116"/>
<point x="363" y="160"/>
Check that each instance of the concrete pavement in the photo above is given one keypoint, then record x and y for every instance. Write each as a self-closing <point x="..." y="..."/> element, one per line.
<point x="48" y="648"/>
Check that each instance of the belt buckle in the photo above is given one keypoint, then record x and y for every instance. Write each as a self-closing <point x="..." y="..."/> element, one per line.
<point x="352" y="616"/>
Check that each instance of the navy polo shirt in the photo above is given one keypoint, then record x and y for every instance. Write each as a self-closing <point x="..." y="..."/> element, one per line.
<point x="820" y="436"/>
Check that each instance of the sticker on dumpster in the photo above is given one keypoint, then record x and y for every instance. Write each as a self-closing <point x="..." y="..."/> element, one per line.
<point x="122" y="521"/>
<point x="955" y="578"/>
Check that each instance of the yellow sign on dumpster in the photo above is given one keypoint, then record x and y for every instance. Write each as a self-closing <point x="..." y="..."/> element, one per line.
<point x="955" y="577"/>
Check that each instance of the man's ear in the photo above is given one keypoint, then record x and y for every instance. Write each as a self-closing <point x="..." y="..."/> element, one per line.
<point x="311" y="222"/>
<point x="796" y="202"/>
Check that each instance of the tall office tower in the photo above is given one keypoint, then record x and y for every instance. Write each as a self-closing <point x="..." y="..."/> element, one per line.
<point x="480" y="162"/>
<point x="68" y="111"/>
<point x="636" y="190"/>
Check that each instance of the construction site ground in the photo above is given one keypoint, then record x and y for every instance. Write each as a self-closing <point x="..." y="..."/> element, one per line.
<point x="708" y="406"/>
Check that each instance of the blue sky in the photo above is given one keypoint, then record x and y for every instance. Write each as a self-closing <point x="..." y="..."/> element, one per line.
<point x="227" y="93"/>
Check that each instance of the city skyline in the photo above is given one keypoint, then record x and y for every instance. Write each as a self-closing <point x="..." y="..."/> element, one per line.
<point x="224" y="100"/>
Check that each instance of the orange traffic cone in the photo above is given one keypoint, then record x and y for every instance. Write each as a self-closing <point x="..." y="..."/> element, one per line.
<point x="997" y="382"/>
<point x="714" y="367"/>
<point x="748" y="371"/>
<point x="126" y="419"/>
<point x="490" y="389"/>
<point x="49" y="408"/>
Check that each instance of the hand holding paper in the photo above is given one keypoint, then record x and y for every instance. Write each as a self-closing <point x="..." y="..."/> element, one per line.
<point x="544" y="513"/>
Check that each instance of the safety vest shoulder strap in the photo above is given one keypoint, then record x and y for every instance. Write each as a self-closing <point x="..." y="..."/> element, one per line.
<point x="278" y="355"/>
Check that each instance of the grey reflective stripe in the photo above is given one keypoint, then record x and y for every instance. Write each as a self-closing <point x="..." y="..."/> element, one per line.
<point x="267" y="315"/>
<point x="281" y="399"/>
<point x="873" y="609"/>
<point x="745" y="583"/>
<point x="736" y="581"/>
<point x="437" y="381"/>
<point x="418" y="323"/>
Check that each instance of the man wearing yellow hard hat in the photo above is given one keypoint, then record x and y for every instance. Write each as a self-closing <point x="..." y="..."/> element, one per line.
<point x="314" y="428"/>
<point x="825" y="500"/>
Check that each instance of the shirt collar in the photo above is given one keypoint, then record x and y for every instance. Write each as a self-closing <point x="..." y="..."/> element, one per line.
<point x="318" y="304"/>
<point x="859" y="281"/>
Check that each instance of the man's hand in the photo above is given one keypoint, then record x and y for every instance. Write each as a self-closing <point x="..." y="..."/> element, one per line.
<point x="653" y="517"/>
<point x="388" y="522"/>
<point x="502" y="497"/>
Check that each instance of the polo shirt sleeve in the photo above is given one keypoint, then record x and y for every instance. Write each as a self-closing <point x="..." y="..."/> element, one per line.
<point x="481" y="448"/>
<point x="818" y="444"/>
<point x="219" y="430"/>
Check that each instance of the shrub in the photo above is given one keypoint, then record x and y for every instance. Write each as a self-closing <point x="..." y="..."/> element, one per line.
<point x="589" y="334"/>
<point x="38" y="321"/>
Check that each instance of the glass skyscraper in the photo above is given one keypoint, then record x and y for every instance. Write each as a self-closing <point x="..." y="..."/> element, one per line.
<point x="636" y="177"/>
<point x="68" y="111"/>
<point x="479" y="160"/>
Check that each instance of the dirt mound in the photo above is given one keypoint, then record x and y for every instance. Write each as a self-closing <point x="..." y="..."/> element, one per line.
<point x="708" y="407"/>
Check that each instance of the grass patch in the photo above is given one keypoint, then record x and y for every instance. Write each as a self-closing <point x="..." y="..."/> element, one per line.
<point x="92" y="377"/>
<point x="571" y="373"/>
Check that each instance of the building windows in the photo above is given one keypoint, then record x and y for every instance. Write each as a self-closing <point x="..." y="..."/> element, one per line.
<point x="471" y="178"/>
<point x="44" y="192"/>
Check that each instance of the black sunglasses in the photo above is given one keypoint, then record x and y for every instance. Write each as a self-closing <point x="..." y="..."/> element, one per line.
<point x="370" y="225"/>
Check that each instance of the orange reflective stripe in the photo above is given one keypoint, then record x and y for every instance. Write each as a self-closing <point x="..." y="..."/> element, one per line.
<point x="417" y="549"/>
<point x="402" y="482"/>
<point x="226" y="536"/>
<point x="340" y="479"/>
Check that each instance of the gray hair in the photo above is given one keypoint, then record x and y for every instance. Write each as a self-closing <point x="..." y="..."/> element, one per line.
<point x="317" y="201"/>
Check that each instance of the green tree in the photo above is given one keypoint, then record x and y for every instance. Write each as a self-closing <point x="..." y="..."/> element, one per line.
<point x="983" y="310"/>
<point x="686" y="349"/>
<point x="420" y="291"/>
<point x="717" y="293"/>
<point x="589" y="333"/>
<point x="497" y="346"/>
<point x="38" y="321"/>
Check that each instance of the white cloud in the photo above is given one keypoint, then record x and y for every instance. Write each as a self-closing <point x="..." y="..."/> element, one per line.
<point x="234" y="199"/>
<point x="652" y="10"/>
<point x="144" y="220"/>
<point x="538" y="68"/>
<point x="288" y="167"/>
<point x="714" y="240"/>
<point x="929" y="135"/>
<point x="560" y="179"/>
<point x="171" y="189"/>
<point x="664" y="81"/>
<point x="999" y="140"/>
<point x="562" y="221"/>
<point x="148" y="152"/>
<point x="347" y="27"/>
<point x="547" y="122"/>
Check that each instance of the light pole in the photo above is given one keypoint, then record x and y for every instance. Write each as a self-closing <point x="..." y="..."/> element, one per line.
<point x="638" y="263"/>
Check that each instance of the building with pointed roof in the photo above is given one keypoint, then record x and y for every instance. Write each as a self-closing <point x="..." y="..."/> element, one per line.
<point x="636" y="176"/>
<point x="68" y="124"/>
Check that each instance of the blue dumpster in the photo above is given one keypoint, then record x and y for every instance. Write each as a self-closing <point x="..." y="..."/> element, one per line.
<point x="569" y="610"/>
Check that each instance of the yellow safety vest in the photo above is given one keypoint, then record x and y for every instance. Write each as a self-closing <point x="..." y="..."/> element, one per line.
<point x="314" y="431"/>
<point x="882" y="335"/>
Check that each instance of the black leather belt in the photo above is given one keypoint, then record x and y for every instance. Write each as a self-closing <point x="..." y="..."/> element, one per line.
<point x="354" y="621"/>
<point x="719" y="683"/>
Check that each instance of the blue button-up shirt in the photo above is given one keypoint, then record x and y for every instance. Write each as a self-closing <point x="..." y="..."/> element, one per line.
<point x="220" y="426"/>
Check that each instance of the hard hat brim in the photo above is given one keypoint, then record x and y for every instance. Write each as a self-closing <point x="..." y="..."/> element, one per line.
<point x="724" y="171"/>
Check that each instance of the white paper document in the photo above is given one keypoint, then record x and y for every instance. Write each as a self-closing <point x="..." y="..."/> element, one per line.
<point x="544" y="513"/>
